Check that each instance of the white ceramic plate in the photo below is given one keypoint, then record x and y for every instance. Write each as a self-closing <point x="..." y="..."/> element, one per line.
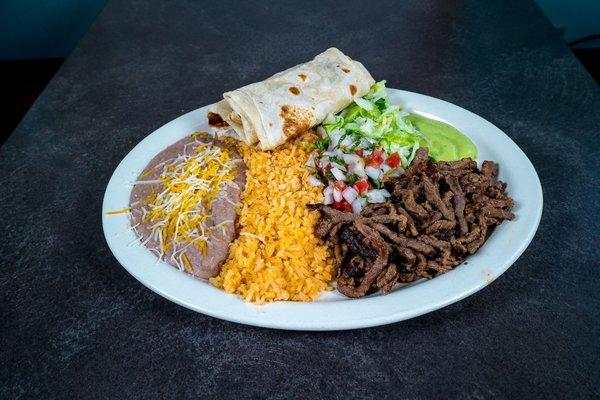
<point x="333" y="311"/>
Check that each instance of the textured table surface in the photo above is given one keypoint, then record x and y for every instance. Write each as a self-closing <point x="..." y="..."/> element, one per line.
<point x="75" y="324"/>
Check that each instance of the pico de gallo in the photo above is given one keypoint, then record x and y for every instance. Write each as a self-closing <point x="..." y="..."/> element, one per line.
<point x="359" y="148"/>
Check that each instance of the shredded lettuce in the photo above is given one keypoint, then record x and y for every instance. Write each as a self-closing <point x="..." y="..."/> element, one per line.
<point x="333" y="122"/>
<point x="365" y="104"/>
<point x="371" y="120"/>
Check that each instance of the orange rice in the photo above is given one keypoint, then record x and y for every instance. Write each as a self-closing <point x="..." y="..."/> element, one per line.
<point x="277" y="256"/>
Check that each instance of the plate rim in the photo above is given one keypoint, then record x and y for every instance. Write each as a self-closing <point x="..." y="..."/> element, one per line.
<point x="256" y="314"/>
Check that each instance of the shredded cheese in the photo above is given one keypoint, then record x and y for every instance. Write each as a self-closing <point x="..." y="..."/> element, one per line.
<point x="118" y="212"/>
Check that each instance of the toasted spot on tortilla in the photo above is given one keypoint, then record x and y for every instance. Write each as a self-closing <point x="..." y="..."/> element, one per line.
<point x="295" y="120"/>
<point x="346" y="70"/>
<point x="302" y="77"/>
<point x="353" y="90"/>
<point x="295" y="90"/>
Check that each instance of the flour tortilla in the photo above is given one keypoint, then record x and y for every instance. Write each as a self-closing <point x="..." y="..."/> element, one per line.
<point x="270" y="112"/>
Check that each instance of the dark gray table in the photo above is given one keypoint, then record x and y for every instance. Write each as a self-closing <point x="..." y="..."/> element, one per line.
<point x="74" y="324"/>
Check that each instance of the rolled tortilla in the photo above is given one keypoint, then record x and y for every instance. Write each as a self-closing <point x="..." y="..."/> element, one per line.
<point x="270" y="112"/>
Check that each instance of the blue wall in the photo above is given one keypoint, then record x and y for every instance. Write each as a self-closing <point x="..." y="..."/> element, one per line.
<point x="52" y="28"/>
<point x="44" y="28"/>
<point x="577" y="18"/>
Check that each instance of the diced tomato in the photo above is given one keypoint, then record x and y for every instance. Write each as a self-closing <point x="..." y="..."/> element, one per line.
<point x="340" y="185"/>
<point x="359" y="152"/>
<point x="346" y="207"/>
<point x="361" y="186"/>
<point x="375" y="159"/>
<point x="393" y="160"/>
<point x="342" y="206"/>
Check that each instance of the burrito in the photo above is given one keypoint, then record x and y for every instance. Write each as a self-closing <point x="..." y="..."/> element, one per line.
<point x="269" y="113"/>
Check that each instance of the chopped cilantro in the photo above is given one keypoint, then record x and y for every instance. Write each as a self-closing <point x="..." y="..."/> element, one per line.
<point x="329" y="175"/>
<point x="337" y="160"/>
<point x="381" y="104"/>
<point x="351" y="179"/>
<point x="322" y="144"/>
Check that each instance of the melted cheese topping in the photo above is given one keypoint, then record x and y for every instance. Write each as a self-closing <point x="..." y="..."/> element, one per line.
<point x="190" y="183"/>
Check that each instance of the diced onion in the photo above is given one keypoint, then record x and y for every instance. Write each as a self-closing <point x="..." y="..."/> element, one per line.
<point x="338" y="174"/>
<point x="337" y="195"/>
<point x="356" y="206"/>
<point x="314" y="181"/>
<point x="328" y="195"/>
<point x="349" y="194"/>
<point x="335" y="136"/>
<point x="358" y="169"/>
<point x="347" y="141"/>
<point x="350" y="158"/>
<point x="377" y="195"/>
<point x="340" y="167"/>
<point x="373" y="173"/>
